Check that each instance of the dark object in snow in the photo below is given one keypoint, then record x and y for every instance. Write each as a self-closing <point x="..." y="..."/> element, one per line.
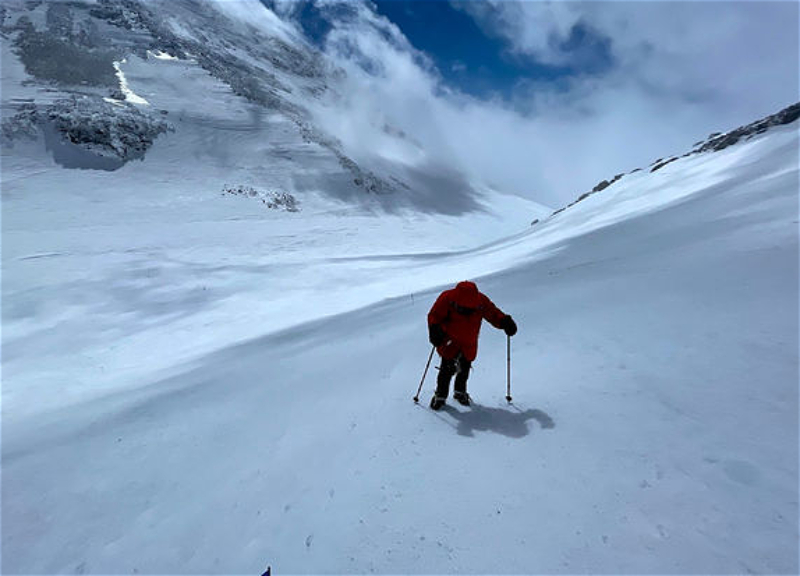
<point x="268" y="572"/>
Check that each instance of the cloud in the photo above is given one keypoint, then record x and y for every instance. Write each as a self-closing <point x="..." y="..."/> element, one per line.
<point x="675" y="72"/>
<point x="253" y="13"/>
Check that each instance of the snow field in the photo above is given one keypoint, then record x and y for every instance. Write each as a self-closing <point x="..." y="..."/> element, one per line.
<point x="653" y="427"/>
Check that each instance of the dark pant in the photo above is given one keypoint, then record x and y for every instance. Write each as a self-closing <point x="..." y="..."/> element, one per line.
<point x="460" y="367"/>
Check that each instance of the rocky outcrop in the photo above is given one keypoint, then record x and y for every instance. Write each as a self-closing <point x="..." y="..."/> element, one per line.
<point x="119" y="131"/>
<point x="599" y="187"/>
<point x="717" y="141"/>
<point x="273" y="200"/>
<point x="659" y="164"/>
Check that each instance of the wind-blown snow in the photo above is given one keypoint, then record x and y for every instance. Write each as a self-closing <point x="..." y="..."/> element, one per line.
<point x="253" y="14"/>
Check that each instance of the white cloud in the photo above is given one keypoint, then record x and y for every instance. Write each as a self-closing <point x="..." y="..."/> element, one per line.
<point x="254" y="13"/>
<point x="682" y="70"/>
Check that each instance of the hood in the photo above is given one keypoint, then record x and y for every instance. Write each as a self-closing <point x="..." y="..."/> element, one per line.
<point x="467" y="294"/>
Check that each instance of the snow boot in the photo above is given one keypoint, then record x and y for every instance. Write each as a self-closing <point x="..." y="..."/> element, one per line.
<point x="437" y="402"/>
<point x="462" y="398"/>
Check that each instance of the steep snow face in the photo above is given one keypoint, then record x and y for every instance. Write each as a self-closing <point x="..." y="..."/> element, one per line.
<point x="655" y="416"/>
<point x="231" y="66"/>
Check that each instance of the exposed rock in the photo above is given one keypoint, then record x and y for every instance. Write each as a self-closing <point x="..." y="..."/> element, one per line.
<point x="24" y="124"/>
<point x="273" y="200"/>
<point x="598" y="188"/>
<point x="120" y="131"/>
<point x="601" y="186"/>
<point x="718" y="141"/>
<point x="663" y="163"/>
<point x="118" y="14"/>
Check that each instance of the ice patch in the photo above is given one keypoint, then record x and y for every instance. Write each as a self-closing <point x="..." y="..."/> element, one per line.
<point x="130" y="96"/>
<point x="159" y="55"/>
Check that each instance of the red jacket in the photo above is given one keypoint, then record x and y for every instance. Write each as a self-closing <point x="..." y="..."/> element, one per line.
<point x="459" y="312"/>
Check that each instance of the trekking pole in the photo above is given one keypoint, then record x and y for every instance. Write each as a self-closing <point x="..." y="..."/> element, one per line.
<point x="416" y="398"/>
<point x="508" y="369"/>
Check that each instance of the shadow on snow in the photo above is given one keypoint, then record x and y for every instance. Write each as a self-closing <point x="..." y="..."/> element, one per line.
<point x="508" y="422"/>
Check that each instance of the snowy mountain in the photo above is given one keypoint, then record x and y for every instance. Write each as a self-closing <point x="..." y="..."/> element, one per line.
<point x="225" y="83"/>
<point x="214" y="313"/>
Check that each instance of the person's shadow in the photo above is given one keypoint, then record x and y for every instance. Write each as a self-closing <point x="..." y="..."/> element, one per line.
<point x="512" y="423"/>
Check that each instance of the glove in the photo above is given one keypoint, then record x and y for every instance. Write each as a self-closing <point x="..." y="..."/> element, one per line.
<point x="436" y="335"/>
<point x="508" y="325"/>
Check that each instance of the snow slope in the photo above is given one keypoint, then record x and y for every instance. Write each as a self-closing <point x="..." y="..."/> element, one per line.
<point x="655" y="419"/>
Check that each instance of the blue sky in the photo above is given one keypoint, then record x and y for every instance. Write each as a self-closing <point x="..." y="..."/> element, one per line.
<point x="467" y="56"/>
<point x="479" y="63"/>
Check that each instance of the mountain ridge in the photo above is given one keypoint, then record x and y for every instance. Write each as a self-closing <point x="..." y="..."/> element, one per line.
<point x="714" y="143"/>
